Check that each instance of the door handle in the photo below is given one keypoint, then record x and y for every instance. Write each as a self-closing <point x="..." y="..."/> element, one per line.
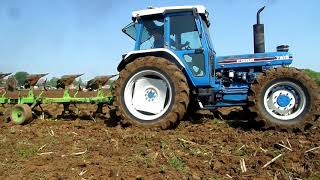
<point x="198" y="51"/>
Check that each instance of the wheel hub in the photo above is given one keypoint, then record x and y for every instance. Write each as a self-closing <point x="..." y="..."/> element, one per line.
<point x="284" y="100"/>
<point x="17" y="114"/>
<point x="151" y="94"/>
<point x="148" y="95"/>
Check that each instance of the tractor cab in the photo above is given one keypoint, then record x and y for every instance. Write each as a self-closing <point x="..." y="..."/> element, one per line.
<point x="181" y="31"/>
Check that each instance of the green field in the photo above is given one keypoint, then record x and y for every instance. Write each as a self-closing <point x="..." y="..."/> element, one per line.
<point x="315" y="75"/>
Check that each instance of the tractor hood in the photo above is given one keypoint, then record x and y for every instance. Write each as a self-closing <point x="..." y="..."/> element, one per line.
<point x="257" y="59"/>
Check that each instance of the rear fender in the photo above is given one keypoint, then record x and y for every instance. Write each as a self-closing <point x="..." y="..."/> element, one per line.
<point x="158" y="52"/>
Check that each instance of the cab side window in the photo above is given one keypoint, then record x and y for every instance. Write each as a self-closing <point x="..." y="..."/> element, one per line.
<point x="184" y="33"/>
<point x="152" y="34"/>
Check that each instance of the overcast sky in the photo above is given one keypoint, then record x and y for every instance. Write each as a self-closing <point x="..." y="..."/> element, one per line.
<point x="84" y="36"/>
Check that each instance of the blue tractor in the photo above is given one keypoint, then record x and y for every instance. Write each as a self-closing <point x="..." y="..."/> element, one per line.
<point x="174" y="66"/>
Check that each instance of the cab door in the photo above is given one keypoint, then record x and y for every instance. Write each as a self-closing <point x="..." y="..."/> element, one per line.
<point x="185" y="40"/>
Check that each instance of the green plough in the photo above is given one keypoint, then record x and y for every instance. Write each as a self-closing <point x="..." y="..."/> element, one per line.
<point x="22" y="111"/>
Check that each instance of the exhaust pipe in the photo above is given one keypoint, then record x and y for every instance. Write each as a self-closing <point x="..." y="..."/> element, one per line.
<point x="258" y="34"/>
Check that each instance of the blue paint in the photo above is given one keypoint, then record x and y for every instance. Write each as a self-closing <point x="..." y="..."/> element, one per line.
<point x="235" y="97"/>
<point x="283" y="100"/>
<point x="151" y="95"/>
<point x="274" y="62"/>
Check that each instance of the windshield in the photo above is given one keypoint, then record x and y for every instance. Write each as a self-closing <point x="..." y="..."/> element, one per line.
<point x="131" y="30"/>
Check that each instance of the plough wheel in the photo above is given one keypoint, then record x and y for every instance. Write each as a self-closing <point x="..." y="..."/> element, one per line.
<point x="151" y="92"/>
<point x="285" y="99"/>
<point x="21" y="114"/>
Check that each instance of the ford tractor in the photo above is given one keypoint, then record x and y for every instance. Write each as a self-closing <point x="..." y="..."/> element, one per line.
<point x="174" y="67"/>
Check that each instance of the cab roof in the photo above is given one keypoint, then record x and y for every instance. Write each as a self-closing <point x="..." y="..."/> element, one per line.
<point x="162" y="10"/>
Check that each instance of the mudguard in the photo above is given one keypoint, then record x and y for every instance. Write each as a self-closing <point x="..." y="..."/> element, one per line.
<point x="158" y="52"/>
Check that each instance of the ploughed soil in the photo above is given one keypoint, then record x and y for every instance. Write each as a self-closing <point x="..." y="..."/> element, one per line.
<point x="202" y="147"/>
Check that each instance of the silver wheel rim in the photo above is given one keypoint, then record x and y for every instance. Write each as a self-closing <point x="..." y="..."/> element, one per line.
<point x="148" y="95"/>
<point x="284" y="100"/>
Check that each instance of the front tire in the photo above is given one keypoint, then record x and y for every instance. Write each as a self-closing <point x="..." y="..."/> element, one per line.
<point x="151" y="92"/>
<point x="285" y="99"/>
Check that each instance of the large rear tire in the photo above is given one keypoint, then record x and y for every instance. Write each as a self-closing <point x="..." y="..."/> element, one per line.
<point x="151" y="92"/>
<point x="285" y="99"/>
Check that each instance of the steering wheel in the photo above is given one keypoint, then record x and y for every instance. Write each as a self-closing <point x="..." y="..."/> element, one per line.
<point x="186" y="46"/>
